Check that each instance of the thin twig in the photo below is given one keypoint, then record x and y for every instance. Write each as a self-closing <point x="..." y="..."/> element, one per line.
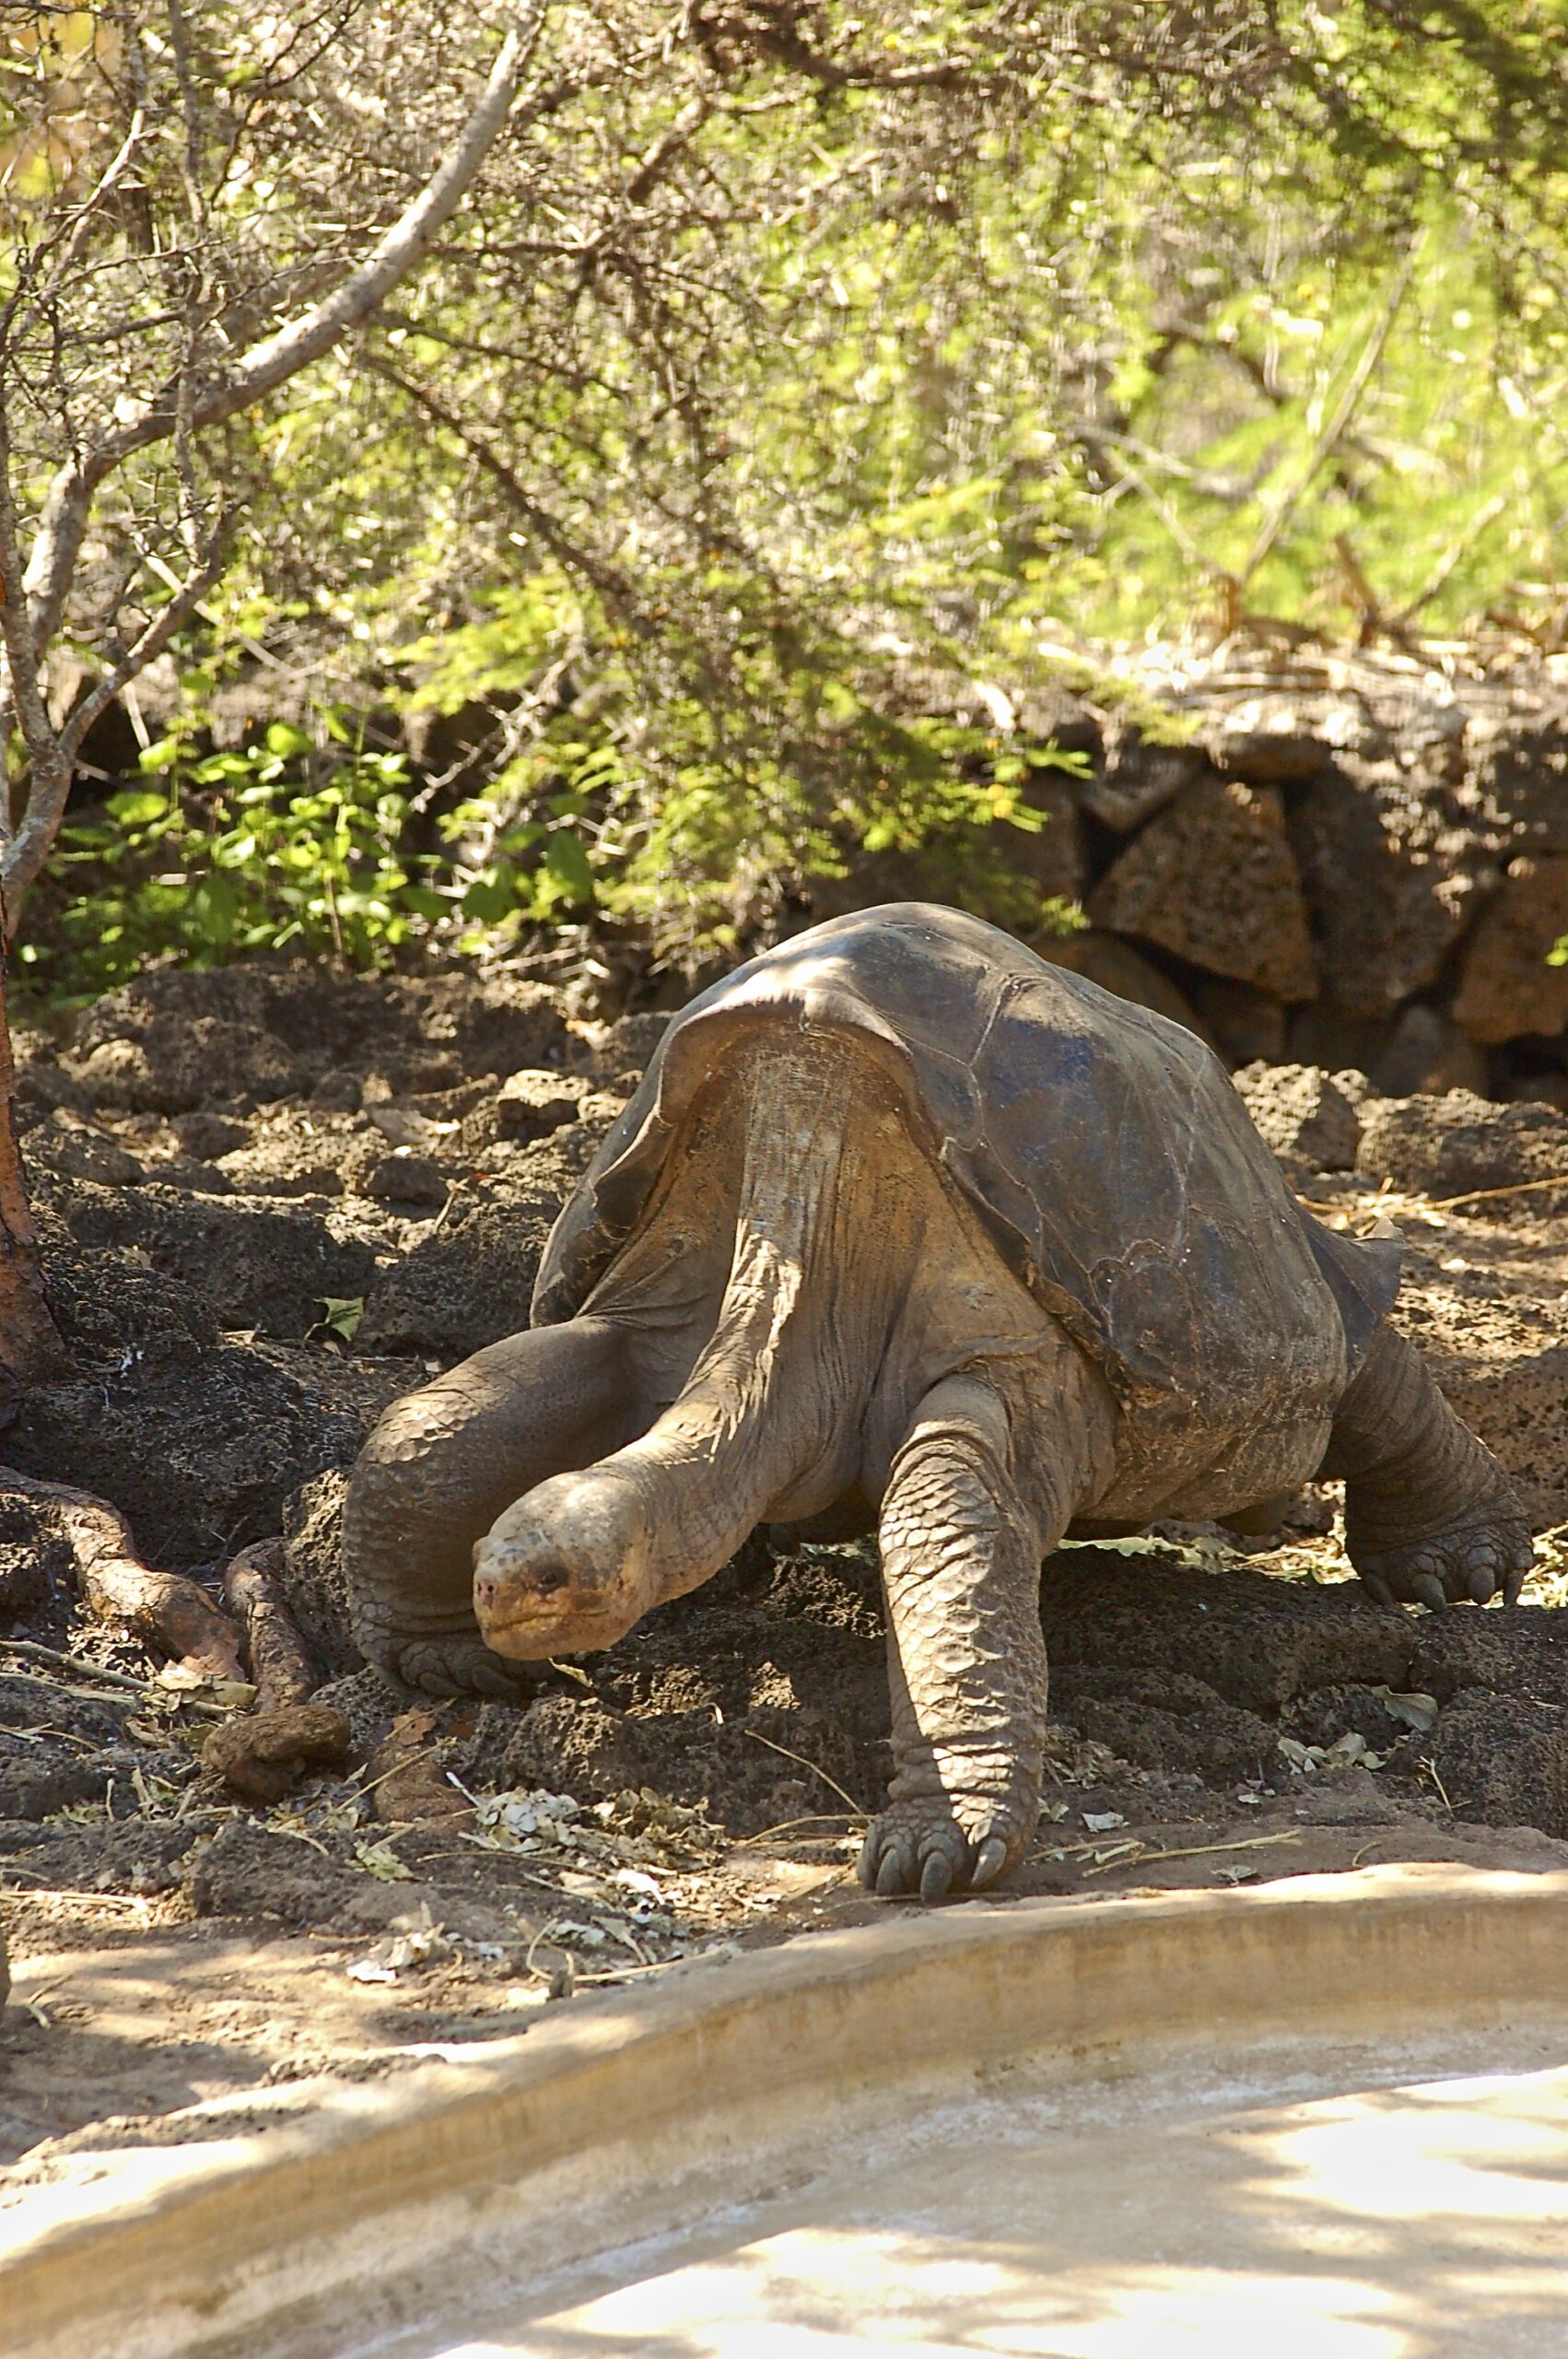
<point x="1196" y="1851"/>
<point x="1485" y="1195"/>
<point x="1453" y="556"/>
<point x="75" y="1662"/>
<point x="1339" y="418"/>
<point x="1446" y="1203"/>
<point x="816" y="1772"/>
<point x="396" y="1770"/>
<point x="149" y="645"/>
<point x="143" y="1695"/>
<point x="65" y="1891"/>
<point x="788" y="1827"/>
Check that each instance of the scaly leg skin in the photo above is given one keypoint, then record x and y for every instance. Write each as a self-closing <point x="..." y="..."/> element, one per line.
<point x="961" y="1558"/>
<point x="440" y="1468"/>
<point x="1430" y="1518"/>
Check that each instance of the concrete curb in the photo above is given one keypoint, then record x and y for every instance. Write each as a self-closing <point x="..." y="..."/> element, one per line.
<point x="618" y="2118"/>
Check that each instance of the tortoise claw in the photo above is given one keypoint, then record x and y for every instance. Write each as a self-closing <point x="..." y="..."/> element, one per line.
<point x="1472" y="1561"/>
<point x="936" y="1876"/>
<point x="890" y="1877"/>
<point x="990" y="1863"/>
<point x="922" y="1849"/>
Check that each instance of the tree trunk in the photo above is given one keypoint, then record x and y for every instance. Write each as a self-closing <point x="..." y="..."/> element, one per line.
<point x="31" y="1348"/>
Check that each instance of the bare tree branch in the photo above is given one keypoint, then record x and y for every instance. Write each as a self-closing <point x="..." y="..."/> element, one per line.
<point x="32" y="600"/>
<point x="23" y="686"/>
<point x="612" y="585"/>
<point x="278" y="358"/>
<point x="145" y="648"/>
<point x="1284" y="507"/>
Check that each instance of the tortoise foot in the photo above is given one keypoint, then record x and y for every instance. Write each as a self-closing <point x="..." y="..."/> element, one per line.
<point x="1488" y="1552"/>
<point x="461" y="1667"/>
<point x="931" y="1848"/>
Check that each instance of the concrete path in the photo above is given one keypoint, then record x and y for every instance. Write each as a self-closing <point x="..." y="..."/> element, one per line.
<point x="1387" y="2222"/>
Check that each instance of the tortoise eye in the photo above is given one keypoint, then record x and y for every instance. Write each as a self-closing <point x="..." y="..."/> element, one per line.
<point x="549" y="1576"/>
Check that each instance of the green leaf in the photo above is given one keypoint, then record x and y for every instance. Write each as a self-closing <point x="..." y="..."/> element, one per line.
<point x="343" y="1314"/>
<point x="491" y="896"/>
<point x="567" y="861"/>
<point x="286" y="741"/>
<point x="379" y="1859"/>
<point x="160" y="757"/>
<point x="136" y="810"/>
<point x="523" y="839"/>
<point x="216" y="904"/>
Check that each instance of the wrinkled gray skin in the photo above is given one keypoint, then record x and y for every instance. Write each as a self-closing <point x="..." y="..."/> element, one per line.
<point x="798" y="1302"/>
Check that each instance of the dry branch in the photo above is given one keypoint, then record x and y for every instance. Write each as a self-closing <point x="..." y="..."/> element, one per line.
<point x="33" y="600"/>
<point x="281" y="1663"/>
<point x="164" y="1610"/>
<point x="1284" y="507"/>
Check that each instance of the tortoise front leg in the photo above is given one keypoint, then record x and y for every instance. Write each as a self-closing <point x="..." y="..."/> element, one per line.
<point x="445" y="1461"/>
<point x="961" y="1554"/>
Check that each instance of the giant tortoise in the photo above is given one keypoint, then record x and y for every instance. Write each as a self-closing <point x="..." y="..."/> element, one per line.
<point x="902" y="1211"/>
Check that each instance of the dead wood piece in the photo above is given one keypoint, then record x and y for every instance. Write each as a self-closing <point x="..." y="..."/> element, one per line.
<point x="164" y="1610"/>
<point x="260" y="1755"/>
<point x="30" y="1349"/>
<point x="281" y="1663"/>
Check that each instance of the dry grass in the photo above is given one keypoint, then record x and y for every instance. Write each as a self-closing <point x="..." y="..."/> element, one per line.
<point x="1548" y="1584"/>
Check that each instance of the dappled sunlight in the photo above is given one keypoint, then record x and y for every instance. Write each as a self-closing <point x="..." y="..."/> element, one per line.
<point x="1460" y="2150"/>
<point x="1414" y="2223"/>
<point x="827" y="2291"/>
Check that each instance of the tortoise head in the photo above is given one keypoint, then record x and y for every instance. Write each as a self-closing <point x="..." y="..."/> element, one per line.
<point x="565" y="1570"/>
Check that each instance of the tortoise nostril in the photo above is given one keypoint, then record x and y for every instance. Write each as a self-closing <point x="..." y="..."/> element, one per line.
<point x="538" y="1580"/>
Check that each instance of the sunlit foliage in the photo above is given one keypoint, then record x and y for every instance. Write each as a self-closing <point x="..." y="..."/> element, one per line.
<point x="793" y="369"/>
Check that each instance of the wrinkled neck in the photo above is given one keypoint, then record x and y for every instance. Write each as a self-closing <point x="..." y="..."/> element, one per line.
<point x="775" y="1398"/>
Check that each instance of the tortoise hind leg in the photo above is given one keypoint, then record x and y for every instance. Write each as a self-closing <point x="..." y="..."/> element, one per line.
<point x="1430" y="1516"/>
<point x="440" y="1468"/>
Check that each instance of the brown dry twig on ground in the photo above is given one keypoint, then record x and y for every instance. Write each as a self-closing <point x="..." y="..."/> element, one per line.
<point x="282" y="1666"/>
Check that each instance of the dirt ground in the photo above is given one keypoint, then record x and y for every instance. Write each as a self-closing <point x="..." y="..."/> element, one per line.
<point x="272" y="1200"/>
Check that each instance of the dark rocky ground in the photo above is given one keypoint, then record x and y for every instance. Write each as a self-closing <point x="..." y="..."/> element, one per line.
<point x="271" y="1200"/>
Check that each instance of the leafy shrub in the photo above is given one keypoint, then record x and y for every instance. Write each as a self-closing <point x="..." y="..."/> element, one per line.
<point x="317" y="844"/>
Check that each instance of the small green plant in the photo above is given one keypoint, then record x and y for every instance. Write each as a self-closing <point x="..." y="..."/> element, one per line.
<point x="283" y="845"/>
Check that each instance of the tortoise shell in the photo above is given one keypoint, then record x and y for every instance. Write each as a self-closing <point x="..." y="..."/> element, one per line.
<point x="1102" y="1146"/>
